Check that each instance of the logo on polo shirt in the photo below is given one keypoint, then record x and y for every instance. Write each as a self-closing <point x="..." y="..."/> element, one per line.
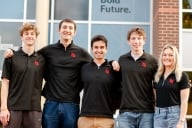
<point x="107" y="71"/>
<point x="36" y="62"/>
<point x="143" y="64"/>
<point x="171" y="81"/>
<point x="73" y="55"/>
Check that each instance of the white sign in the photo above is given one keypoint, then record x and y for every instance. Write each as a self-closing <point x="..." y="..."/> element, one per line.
<point x="5" y="46"/>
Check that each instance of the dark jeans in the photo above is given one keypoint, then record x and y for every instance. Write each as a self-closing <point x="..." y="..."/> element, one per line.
<point x="60" y="115"/>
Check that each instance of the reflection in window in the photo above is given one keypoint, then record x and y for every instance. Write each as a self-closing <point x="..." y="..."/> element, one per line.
<point x="187" y="16"/>
<point x="187" y="4"/>
<point x="187" y="20"/>
<point x="80" y="38"/>
<point x="7" y="11"/>
<point x="31" y="6"/>
<point x="9" y="34"/>
<point x="117" y="39"/>
<point x="124" y="10"/>
<point x="75" y="9"/>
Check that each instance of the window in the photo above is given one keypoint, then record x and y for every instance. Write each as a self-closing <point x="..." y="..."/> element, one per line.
<point x="112" y="18"/>
<point x="121" y="10"/>
<point x="186" y="34"/>
<point x="187" y="14"/>
<point x="9" y="11"/>
<point x="11" y="18"/>
<point x="75" y="9"/>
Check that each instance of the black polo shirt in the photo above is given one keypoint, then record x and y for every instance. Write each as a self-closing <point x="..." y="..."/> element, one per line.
<point x="168" y="90"/>
<point x="137" y="77"/>
<point x="101" y="84"/>
<point x="62" y="73"/>
<point x="25" y="75"/>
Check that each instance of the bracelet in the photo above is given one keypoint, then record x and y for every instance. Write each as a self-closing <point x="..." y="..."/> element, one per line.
<point x="4" y="109"/>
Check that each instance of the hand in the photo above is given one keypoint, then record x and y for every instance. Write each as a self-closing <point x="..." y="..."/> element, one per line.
<point x="8" y="53"/>
<point x="116" y="66"/>
<point x="4" y="117"/>
<point x="180" y="124"/>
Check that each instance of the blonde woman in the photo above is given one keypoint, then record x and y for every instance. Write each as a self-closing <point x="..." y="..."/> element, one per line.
<point x="172" y="91"/>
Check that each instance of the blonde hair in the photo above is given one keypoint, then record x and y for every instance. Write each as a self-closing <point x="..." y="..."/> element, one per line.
<point x="28" y="26"/>
<point x="161" y="68"/>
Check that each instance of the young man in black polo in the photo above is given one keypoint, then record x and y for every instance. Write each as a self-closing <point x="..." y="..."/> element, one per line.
<point x="22" y="82"/>
<point x="101" y="87"/>
<point x="137" y="69"/>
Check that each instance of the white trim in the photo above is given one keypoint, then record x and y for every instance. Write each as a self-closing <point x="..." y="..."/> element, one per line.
<point x="186" y="30"/>
<point x="151" y="27"/>
<point x="181" y="32"/>
<point x="15" y="20"/>
<point x="89" y="26"/>
<point x="116" y="22"/>
<point x="25" y="11"/>
<point x="51" y="21"/>
<point x="107" y="22"/>
<point x="186" y="10"/>
<point x="188" y="116"/>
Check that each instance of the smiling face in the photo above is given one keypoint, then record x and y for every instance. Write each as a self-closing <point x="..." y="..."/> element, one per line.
<point x="28" y="34"/>
<point x="99" y="50"/>
<point x="29" y="37"/>
<point x="67" y="31"/>
<point x="136" y="42"/>
<point x="168" y="58"/>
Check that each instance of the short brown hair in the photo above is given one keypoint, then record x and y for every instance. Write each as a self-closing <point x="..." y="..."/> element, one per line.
<point x="28" y="26"/>
<point x="68" y="21"/>
<point x="137" y="30"/>
<point x="98" y="38"/>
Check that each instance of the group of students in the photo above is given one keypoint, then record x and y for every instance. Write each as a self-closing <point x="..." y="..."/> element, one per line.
<point x="148" y="94"/>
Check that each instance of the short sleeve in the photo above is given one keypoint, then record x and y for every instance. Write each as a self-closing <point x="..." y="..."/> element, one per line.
<point x="184" y="82"/>
<point x="6" y="71"/>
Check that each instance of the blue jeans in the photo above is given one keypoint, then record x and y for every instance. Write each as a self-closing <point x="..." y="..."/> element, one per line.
<point x="134" y="120"/>
<point x="167" y="117"/>
<point x="60" y="115"/>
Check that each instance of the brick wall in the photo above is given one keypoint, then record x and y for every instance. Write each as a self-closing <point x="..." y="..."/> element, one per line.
<point x="165" y="24"/>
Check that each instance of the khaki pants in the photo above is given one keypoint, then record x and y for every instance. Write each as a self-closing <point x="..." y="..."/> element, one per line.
<point x="95" y="122"/>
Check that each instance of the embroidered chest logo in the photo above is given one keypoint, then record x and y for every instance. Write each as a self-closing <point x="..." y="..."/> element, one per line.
<point x="36" y="62"/>
<point x="171" y="81"/>
<point x="143" y="64"/>
<point x="73" y="55"/>
<point x="107" y="71"/>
